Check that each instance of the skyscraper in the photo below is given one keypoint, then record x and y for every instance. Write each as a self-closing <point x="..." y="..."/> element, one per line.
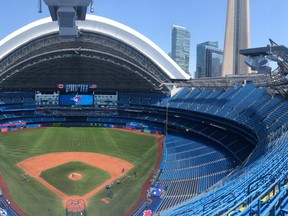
<point x="180" y="51"/>
<point x="209" y="60"/>
<point x="237" y="36"/>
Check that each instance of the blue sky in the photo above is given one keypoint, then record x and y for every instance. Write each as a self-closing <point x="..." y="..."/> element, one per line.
<point x="205" y="19"/>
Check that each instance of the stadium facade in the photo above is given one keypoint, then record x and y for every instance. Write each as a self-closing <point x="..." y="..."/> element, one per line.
<point x="225" y="151"/>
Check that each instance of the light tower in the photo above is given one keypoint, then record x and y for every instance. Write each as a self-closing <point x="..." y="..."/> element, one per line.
<point x="237" y="36"/>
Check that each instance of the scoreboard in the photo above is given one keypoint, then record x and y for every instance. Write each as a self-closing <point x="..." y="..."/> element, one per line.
<point x="78" y="99"/>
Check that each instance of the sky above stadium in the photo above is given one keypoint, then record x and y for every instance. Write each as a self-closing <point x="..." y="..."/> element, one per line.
<point x="205" y="19"/>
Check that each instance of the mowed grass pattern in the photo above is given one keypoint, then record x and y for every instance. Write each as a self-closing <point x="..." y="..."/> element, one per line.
<point x="35" y="199"/>
<point x="58" y="176"/>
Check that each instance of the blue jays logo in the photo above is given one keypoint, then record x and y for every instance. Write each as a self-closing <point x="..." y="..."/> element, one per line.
<point x="76" y="99"/>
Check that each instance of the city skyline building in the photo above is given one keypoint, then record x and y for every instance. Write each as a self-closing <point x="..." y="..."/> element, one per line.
<point x="209" y="60"/>
<point x="180" y="49"/>
<point x="237" y="36"/>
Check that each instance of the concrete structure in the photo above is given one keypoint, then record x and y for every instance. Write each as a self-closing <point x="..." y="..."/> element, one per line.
<point x="180" y="51"/>
<point x="209" y="60"/>
<point x="237" y="37"/>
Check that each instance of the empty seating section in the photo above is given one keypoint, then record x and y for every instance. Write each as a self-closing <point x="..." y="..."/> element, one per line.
<point x="263" y="111"/>
<point x="197" y="170"/>
<point x="234" y="100"/>
<point x="245" y="102"/>
<point x="255" y="109"/>
<point x="187" y="99"/>
<point x="18" y="109"/>
<point x="20" y="98"/>
<point x="13" y="105"/>
<point x="247" y="113"/>
<point x="140" y="98"/>
<point x="236" y="185"/>
<point x="251" y="107"/>
<point x="191" y="161"/>
<point x="210" y="99"/>
<point x="221" y="100"/>
<point x="192" y="165"/>
<point x="199" y="99"/>
<point x="277" y="113"/>
<point x="180" y="97"/>
<point x="28" y="100"/>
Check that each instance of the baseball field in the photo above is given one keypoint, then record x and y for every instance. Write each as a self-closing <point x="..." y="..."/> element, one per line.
<point x="46" y="167"/>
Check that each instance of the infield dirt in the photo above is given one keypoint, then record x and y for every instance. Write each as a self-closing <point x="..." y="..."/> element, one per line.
<point x="115" y="166"/>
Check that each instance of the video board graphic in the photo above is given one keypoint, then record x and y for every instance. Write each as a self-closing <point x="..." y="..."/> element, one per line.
<point x="76" y="99"/>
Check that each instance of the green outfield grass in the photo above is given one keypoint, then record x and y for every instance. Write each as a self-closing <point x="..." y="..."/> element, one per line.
<point x="36" y="199"/>
<point x="59" y="178"/>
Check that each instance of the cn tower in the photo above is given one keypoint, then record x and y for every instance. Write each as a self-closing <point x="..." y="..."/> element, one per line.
<point x="237" y="36"/>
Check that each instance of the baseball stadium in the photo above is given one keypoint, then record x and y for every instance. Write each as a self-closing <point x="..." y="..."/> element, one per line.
<point x="106" y="123"/>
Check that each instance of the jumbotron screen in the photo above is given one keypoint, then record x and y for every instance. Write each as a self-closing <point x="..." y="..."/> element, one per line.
<point x="76" y="99"/>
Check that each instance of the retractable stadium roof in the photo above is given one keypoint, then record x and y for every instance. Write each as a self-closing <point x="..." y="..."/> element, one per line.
<point x="107" y="53"/>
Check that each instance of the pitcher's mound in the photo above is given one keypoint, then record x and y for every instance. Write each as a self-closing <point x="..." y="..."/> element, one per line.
<point x="75" y="176"/>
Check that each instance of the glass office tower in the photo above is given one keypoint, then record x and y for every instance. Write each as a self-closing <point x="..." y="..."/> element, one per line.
<point x="209" y="60"/>
<point x="180" y="51"/>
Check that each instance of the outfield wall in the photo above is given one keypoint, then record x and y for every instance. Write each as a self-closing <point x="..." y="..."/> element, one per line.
<point x="135" y="127"/>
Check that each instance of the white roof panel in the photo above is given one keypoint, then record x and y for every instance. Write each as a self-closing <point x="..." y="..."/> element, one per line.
<point x="100" y="25"/>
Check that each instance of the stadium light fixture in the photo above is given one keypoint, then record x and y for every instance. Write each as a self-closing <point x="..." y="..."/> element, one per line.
<point x="66" y="12"/>
<point x="258" y="63"/>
